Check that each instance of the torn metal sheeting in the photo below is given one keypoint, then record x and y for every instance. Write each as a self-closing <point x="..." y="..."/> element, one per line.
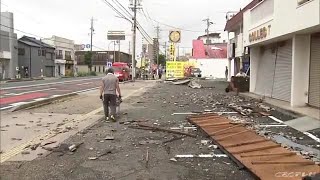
<point x="272" y="125"/>
<point x="186" y="113"/>
<point x="180" y="128"/>
<point x="200" y="156"/>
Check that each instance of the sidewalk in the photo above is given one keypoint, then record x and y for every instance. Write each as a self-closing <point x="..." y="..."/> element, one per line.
<point x="308" y="111"/>
<point x="117" y="151"/>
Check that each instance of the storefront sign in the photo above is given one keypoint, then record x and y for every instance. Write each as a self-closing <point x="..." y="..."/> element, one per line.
<point x="259" y="34"/>
<point x="69" y="62"/>
<point x="175" y="69"/>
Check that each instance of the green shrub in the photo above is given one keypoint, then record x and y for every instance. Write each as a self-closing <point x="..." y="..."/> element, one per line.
<point x="93" y="73"/>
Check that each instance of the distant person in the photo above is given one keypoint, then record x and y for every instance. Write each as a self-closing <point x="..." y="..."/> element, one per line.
<point x="232" y="86"/>
<point x="226" y="73"/>
<point x="108" y="94"/>
<point x="160" y="71"/>
<point x="241" y="74"/>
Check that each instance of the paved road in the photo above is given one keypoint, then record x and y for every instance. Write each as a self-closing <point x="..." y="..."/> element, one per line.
<point x="14" y="94"/>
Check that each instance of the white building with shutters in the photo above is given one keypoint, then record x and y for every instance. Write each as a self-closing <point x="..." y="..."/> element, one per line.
<point x="284" y="41"/>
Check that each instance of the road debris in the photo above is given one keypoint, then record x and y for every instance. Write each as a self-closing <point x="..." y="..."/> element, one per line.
<point x="16" y="139"/>
<point x="20" y="124"/>
<point x="205" y="142"/>
<point x="173" y="139"/>
<point x="48" y="143"/>
<point x="109" y="138"/>
<point x="181" y="82"/>
<point x="92" y="158"/>
<point x="25" y="152"/>
<point x="201" y="156"/>
<point x="194" y="85"/>
<point x="153" y="128"/>
<point x="173" y="159"/>
<point x="35" y="146"/>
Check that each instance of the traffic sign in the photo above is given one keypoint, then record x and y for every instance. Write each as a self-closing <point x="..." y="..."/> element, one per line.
<point x="109" y="64"/>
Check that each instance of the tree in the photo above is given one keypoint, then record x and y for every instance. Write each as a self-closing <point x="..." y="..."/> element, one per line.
<point x="88" y="59"/>
<point x="162" y="59"/>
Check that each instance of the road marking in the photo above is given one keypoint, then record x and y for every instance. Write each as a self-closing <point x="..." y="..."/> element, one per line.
<point x="275" y="119"/>
<point x="17" y="94"/>
<point x="18" y="103"/>
<point x="83" y="84"/>
<point x="7" y="107"/>
<point x="47" y="84"/>
<point x="312" y="136"/>
<point x="18" y="149"/>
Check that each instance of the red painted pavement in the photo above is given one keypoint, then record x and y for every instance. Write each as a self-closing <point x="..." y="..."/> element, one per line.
<point x="20" y="98"/>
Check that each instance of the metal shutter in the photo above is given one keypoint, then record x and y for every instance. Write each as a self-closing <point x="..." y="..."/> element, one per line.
<point x="49" y="71"/>
<point x="265" y="72"/>
<point x="314" y="82"/>
<point x="283" y="72"/>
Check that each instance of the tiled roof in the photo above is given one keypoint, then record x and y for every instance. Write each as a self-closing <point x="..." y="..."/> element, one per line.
<point x="35" y="41"/>
<point x="214" y="51"/>
<point x="239" y="16"/>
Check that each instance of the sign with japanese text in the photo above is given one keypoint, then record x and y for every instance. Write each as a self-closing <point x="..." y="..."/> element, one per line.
<point x="174" y="69"/>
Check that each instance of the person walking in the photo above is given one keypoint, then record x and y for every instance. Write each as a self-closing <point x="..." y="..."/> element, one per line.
<point x="226" y="73"/>
<point x="108" y="94"/>
<point x="160" y="73"/>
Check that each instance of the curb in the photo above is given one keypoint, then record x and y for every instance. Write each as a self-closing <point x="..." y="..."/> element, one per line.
<point x="42" y="102"/>
<point x="287" y="112"/>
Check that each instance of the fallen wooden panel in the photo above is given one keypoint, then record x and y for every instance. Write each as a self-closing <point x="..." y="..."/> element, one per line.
<point x="263" y="157"/>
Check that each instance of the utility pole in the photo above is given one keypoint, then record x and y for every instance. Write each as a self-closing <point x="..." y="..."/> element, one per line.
<point x="129" y="47"/>
<point x="119" y="55"/>
<point x="209" y="23"/>
<point x="165" y="50"/>
<point x="157" y="45"/>
<point x="134" y="7"/>
<point x="91" y="35"/>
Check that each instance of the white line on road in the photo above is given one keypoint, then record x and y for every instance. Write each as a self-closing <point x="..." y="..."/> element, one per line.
<point x="312" y="136"/>
<point x="275" y="119"/>
<point x="83" y="84"/>
<point x="7" y="107"/>
<point x="47" y="84"/>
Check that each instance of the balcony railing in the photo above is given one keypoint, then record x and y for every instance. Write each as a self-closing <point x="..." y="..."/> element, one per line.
<point x="67" y="57"/>
<point x="59" y="56"/>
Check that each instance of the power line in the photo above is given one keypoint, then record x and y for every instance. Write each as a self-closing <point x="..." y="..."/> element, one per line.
<point x="39" y="36"/>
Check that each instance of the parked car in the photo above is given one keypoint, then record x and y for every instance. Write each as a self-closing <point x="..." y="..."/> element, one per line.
<point x="121" y="70"/>
<point x="195" y="72"/>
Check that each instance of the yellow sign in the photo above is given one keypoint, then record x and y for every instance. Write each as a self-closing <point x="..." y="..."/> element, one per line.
<point x="175" y="36"/>
<point x="259" y="34"/>
<point x="174" y="69"/>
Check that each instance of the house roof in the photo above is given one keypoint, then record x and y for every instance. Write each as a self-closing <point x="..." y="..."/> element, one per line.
<point x="213" y="51"/>
<point x="31" y="41"/>
<point x="28" y="43"/>
<point x="231" y="23"/>
<point x="210" y="35"/>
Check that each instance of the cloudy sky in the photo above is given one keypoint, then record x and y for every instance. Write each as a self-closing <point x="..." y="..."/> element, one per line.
<point x="71" y="19"/>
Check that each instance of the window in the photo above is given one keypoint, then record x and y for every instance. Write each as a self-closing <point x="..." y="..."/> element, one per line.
<point x="67" y="55"/>
<point x="39" y="52"/>
<point x="95" y="69"/>
<point x="43" y="52"/>
<point x="21" y="51"/>
<point x="99" y="69"/>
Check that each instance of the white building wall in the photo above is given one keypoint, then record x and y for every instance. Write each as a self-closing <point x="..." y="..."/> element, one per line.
<point x="300" y="70"/>
<point x="214" y="68"/>
<point x="254" y="66"/>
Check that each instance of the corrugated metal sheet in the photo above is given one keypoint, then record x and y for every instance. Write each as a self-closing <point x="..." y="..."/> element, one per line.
<point x="314" y="82"/>
<point x="283" y="72"/>
<point x="265" y="72"/>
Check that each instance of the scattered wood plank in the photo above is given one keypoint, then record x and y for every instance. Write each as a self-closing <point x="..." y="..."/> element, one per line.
<point x="231" y="135"/>
<point x="269" y="154"/>
<point x="246" y="143"/>
<point x="284" y="162"/>
<point x="226" y="129"/>
<point x="256" y="149"/>
<point x="165" y="130"/>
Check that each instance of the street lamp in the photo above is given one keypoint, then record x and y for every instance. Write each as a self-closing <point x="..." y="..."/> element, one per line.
<point x="114" y="49"/>
<point x="133" y="45"/>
